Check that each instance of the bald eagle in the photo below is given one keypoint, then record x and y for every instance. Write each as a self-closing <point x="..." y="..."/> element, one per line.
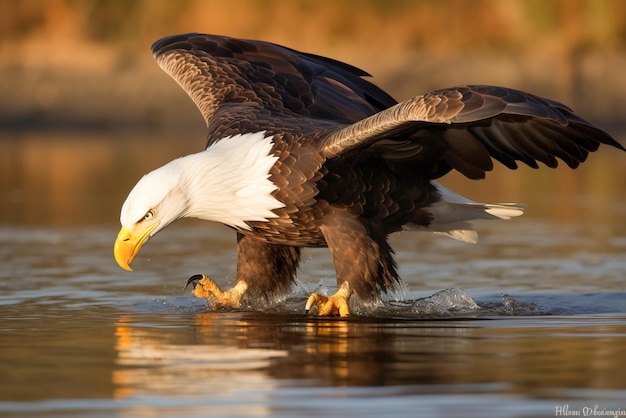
<point x="304" y="152"/>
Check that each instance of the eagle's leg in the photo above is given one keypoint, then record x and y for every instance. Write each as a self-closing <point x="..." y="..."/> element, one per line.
<point x="363" y="264"/>
<point x="264" y="271"/>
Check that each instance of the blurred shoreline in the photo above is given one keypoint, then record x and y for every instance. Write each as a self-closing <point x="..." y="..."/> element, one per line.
<point x="138" y="95"/>
<point x="86" y="66"/>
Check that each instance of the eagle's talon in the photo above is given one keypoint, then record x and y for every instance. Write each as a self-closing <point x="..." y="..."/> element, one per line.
<point x="313" y="299"/>
<point x="205" y="288"/>
<point x="193" y="280"/>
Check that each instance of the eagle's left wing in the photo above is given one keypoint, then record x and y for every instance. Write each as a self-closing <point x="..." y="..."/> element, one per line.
<point x="464" y="127"/>
<point x="218" y="70"/>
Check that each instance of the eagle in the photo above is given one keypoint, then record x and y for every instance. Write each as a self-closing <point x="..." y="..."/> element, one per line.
<point x="304" y="151"/>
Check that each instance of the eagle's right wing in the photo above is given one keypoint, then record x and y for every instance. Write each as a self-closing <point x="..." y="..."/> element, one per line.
<point x="464" y="127"/>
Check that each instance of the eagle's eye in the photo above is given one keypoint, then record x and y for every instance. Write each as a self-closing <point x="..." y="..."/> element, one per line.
<point x="149" y="215"/>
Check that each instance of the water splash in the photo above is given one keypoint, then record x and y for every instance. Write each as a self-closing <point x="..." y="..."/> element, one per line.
<point x="509" y="306"/>
<point x="444" y="303"/>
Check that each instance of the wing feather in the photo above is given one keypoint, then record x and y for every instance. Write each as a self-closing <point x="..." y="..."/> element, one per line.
<point x="215" y="70"/>
<point x="464" y="127"/>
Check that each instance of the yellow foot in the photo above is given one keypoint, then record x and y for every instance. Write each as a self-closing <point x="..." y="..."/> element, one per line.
<point x="205" y="288"/>
<point x="335" y="305"/>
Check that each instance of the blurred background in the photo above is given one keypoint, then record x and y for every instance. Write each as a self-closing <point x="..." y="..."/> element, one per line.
<point x="85" y="111"/>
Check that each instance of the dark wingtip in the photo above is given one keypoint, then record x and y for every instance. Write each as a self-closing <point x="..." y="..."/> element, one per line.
<point x="617" y="145"/>
<point x="193" y="280"/>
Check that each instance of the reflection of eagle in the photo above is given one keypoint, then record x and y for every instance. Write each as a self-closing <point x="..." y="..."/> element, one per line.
<point x="303" y="152"/>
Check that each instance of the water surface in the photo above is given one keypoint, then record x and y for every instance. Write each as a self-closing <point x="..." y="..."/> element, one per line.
<point x="535" y="319"/>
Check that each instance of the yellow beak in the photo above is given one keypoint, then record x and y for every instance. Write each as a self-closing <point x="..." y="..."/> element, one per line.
<point x="127" y="245"/>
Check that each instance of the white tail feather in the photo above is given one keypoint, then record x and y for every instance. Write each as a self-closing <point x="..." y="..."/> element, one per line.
<point x="453" y="213"/>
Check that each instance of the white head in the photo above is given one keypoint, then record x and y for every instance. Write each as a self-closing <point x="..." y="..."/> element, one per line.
<point x="228" y="183"/>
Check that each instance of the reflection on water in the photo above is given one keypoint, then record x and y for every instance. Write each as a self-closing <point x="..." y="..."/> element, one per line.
<point x="261" y="358"/>
<point x="155" y="358"/>
<point x="223" y="349"/>
<point x="195" y="363"/>
<point x="81" y="337"/>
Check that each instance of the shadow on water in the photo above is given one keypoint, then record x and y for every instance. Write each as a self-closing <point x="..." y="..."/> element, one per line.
<point x="530" y="319"/>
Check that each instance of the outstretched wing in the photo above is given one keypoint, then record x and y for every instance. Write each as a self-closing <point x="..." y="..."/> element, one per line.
<point x="215" y="70"/>
<point x="464" y="127"/>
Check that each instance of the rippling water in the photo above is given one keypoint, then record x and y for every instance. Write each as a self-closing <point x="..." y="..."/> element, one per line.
<point x="529" y="320"/>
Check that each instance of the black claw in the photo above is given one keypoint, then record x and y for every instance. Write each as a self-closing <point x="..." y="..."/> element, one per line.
<point x="193" y="280"/>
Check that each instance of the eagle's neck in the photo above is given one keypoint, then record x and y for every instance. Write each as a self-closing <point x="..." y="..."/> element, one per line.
<point x="229" y="182"/>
